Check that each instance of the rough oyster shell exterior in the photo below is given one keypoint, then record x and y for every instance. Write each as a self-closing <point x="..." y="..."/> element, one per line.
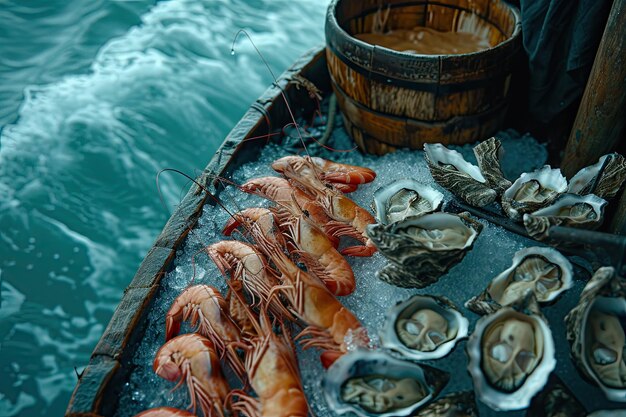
<point x="404" y="198"/>
<point x="604" y="293"/>
<point x="363" y="364"/>
<point x="450" y="170"/>
<point x="571" y="210"/>
<point x="556" y="400"/>
<point x="457" y="404"/>
<point x="527" y="313"/>
<point x="488" y="158"/>
<point x="603" y="178"/>
<point x="421" y="250"/>
<point x="534" y="262"/>
<point x="532" y="191"/>
<point x="449" y="325"/>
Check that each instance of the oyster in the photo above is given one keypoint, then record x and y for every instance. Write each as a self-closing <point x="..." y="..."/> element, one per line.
<point x="458" y="404"/>
<point x="374" y="383"/>
<point x="405" y="198"/>
<point x="532" y="191"/>
<point x="461" y="178"/>
<point x="488" y="158"/>
<point x="422" y="249"/>
<point x="596" y="332"/>
<point x="604" y="184"/>
<point x="511" y="354"/>
<point x="543" y="270"/>
<point x="570" y="210"/>
<point x="556" y="400"/>
<point x="423" y="327"/>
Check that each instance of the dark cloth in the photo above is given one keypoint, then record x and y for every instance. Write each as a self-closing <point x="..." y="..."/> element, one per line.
<point x="561" y="38"/>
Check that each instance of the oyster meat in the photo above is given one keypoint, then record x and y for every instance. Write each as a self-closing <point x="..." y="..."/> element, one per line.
<point x="603" y="178"/>
<point x="422" y="249"/>
<point x="405" y="198"/>
<point x="570" y="210"/>
<point x="511" y="355"/>
<point x="532" y="191"/>
<point x="373" y="383"/>
<point x="450" y="170"/>
<point x="596" y="332"/>
<point x="488" y="158"/>
<point x="544" y="271"/>
<point x="423" y="327"/>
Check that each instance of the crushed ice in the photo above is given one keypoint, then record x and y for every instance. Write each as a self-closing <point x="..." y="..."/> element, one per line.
<point x="491" y="254"/>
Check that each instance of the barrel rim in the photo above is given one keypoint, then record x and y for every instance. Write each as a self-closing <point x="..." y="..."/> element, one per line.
<point x="331" y="19"/>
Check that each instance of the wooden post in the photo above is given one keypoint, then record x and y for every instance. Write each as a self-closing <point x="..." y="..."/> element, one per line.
<point x="618" y="224"/>
<point x="601" y="116"/>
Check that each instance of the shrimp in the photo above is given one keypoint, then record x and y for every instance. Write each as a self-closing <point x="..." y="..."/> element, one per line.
<point x="349" y="219"/>
<point x="165" y="412"/>
<point x="260" y="217"/>
<point x="247" y="265"/>
<point x="329" y="322"/>
<point x="289" y="200"/>
<point x="191" y="359"/>
<point x="207" y="310"/>
<point x="314" y="247"/>
<point x="272" y="370"/>
<point x="329" y="171"/>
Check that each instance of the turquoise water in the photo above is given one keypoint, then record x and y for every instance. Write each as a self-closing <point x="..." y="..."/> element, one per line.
<point x="95" y="98"/>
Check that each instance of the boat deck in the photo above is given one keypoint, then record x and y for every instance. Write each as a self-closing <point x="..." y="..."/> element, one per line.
<point x="119" y="380"/>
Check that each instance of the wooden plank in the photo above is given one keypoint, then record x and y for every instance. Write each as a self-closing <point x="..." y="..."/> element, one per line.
<point x="599" y="124"/>
<point x="133" y="306"/>
<point x="87" y="395"/>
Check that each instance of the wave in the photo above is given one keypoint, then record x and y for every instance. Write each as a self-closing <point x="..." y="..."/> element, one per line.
<point x="78" y="204"/>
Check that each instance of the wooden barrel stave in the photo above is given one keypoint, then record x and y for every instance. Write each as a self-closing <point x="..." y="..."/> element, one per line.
<point x="406" y="100"/>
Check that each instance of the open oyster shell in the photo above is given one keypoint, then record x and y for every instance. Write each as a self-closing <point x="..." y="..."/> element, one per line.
<point x="422" y="249"/>
<point x="404" y="198"/>
<point x="570" y="210"/>
<point x="511" y="355"/>
<point x="532" y="191"/>
<point x="450" y="170"/>
<point x="596" y="332"/>
<point x="374" y="383"/>
<point x="458" y="404"/>
<point x="544" y="271"/>
<point x="555" y="400"/>
<point x="423" y="327"/>
<point x="488" y="158"/>
<point x="603" y="178"/>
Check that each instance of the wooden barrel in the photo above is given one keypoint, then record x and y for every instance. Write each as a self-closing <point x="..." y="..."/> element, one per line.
<point x="392" y="99"/>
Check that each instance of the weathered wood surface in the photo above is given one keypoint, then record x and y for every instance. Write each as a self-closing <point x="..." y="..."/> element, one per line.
<point x="392" y="99"/>
<point x="97" y="390"/>
<point x="599" y="124"/>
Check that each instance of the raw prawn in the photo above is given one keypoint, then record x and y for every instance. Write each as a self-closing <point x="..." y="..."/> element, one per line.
<point x="328" y="171"/>
<point x="289" y="200"/>
<point x="207" y="310"/>
<point x="349" y="219"/>
<point x="314" y="247"/>
<point x="329" y="321"/>
<point x="247" y="265"/>
<point x="165" y="412"/>
<point x="272" y="371"/>
<point x="192" y="359"/>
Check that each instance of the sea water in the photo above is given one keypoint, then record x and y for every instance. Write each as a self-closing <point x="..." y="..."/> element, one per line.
<point x="96" y="96"/>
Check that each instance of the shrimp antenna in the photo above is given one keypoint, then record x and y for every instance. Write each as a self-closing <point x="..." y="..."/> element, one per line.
<point x="282" y="92"/>
<point x="213" y="197"/>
